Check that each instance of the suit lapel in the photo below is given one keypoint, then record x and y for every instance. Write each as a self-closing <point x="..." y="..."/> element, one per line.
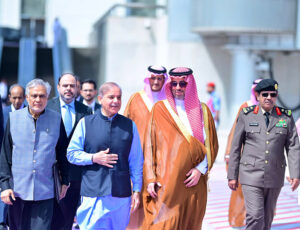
<point x="78" y="115"/>
<point x="56" y="104"/>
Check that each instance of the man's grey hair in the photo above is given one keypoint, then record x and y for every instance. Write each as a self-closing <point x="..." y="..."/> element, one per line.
<point x="106" y="87"/>
<point x="37" y="82"/>
<point x="16" y="85"/>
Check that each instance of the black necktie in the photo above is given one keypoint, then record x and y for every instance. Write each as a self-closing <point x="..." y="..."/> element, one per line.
<point x="267" y="114"/>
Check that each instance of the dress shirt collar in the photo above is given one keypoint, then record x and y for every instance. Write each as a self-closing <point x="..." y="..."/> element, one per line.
<point x="92" y="105"/>
<point x="13" y="108"/>
<point x="62" y="103"/>
<point x="263" y="111"/>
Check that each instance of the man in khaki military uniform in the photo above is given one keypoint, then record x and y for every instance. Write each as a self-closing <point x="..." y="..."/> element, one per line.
<point x="263" y="131"/>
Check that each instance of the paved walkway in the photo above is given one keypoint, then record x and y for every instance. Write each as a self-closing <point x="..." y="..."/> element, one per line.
<point x="287" y="212"/>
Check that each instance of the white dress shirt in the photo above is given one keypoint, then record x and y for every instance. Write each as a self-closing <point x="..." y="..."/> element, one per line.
<point x="92" y="105"/>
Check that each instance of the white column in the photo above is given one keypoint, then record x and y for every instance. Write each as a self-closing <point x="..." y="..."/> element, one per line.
<point x="242" y="76"/>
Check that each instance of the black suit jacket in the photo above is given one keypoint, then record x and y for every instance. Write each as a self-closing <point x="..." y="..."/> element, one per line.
<point x="80" y="111"/>
<point x="6" y="111"/>
<point x="97" y="106"/>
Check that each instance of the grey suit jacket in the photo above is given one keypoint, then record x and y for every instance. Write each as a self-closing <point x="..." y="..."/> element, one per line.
<point x="262" y="162"/>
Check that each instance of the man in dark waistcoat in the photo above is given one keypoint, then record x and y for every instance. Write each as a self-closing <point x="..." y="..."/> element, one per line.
<point x="34" y="139"/>
<point x="257" y="158"/>
<point x="108" y="147"/>
<point x="71" y="111"/>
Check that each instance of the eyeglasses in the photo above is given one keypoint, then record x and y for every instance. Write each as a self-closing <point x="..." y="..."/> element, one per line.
<point x="88" y="90"/>
<point x="156" y="78"/>
<point x="269" y="94"/>
<point x="182" y="84"/>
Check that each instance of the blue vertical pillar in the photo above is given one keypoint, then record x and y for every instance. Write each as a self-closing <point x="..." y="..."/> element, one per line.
<point x="61" y="53"/>
<point x="65" y="53"/>
<point x="27" y="61"/>
<point x="242" y="77"/>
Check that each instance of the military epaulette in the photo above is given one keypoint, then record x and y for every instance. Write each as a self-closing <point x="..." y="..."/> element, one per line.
<point x="249" y="109"/>
<point x="287" y="112"/>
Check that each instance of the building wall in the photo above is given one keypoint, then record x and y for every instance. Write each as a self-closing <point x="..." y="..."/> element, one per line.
<point x="287" y="73"/>
<point x="134" y="43"/>
<point x="78" y="18"/>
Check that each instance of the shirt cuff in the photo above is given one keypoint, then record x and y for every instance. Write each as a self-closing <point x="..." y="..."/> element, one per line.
<point x="89" y="159"/>
<point x="136" y="188"/>
<point x="203" y="166"/>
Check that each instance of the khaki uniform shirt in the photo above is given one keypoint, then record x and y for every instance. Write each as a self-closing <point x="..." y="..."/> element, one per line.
<point x="262" y="162"/>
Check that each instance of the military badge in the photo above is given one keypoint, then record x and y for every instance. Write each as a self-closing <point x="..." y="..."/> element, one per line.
<point x="281" y="123"/>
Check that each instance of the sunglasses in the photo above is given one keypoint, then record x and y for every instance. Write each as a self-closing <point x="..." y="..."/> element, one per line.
<point x="182" y="84"/>
<point x="269" y="94"/>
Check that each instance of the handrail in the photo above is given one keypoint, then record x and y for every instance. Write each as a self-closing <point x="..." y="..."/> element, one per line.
<point x="127" y="6"/>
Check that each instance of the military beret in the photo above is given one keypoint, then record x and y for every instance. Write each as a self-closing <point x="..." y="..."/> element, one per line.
<point x="266" y="85"/>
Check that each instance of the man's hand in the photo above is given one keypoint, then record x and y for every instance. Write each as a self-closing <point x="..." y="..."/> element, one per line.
<point x="105" y="159"/>
<point x="151" y="189"/>
<point x="135" y="201"/>
<point x="63" y="192"/>
<point x="293" y="182"/>
<point x="193" y="178"/>
<point x="233" y="184"/>
<point x="6" y="194"/>
<point x="226" y="159"/>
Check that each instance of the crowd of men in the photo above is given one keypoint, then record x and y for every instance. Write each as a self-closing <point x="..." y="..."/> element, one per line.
<point x="75" y="155"/>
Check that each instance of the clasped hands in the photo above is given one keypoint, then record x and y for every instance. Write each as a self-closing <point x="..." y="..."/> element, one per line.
<point x="193" y="177"/>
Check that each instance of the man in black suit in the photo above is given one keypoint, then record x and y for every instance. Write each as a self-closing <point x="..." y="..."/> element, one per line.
<point x="72" y="111"/>
<point x="16" y="97"/>
<point x="89" y="93"/>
